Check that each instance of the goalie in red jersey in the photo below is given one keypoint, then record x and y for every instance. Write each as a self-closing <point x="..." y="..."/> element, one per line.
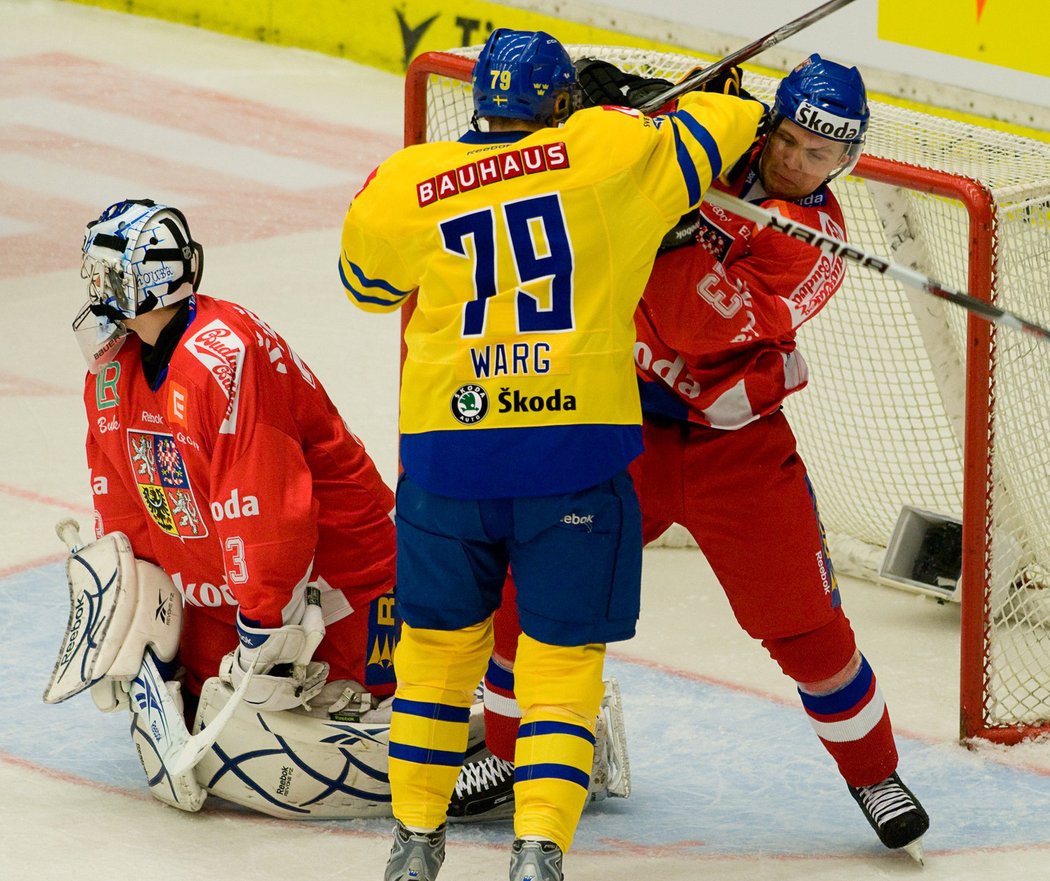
<point x="716" y="356"/>
<point x="236" y="495"/>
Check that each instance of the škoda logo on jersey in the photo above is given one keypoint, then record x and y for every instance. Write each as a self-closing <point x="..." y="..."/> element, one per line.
<point x="492" y="170"/>
<point x="470" y="403"/>
<point x="164" y="484"/>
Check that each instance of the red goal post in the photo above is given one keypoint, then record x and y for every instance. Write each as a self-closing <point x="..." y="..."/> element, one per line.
<point x="913" y="405"/>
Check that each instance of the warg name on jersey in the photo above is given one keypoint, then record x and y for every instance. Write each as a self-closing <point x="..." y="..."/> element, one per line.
<point x="529" y="252"/>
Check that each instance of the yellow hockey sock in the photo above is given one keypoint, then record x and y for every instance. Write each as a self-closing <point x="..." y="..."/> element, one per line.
<point x="559" y="689"/>
<point x="437" y="672"/>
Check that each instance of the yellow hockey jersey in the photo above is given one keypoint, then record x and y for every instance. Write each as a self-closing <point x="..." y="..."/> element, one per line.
<point x="530" y="252"/>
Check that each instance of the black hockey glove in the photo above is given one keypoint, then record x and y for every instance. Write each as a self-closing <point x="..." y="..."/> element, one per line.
<point x="727" y="82"/>
<point x="604" y="83"/>
<point x="682" y="233"/>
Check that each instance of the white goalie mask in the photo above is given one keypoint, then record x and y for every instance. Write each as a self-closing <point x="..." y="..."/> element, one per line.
<point x="137" y="256"/>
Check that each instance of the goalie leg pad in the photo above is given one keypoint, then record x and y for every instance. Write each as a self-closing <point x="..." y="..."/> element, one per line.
<point x="118" y="606"/>
<point x="157" y="727"/>
<point x="611" y="771"/>
<point x="292" y="765"/>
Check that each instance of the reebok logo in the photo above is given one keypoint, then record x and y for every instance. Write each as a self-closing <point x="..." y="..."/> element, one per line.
<point x="578" y="520"/>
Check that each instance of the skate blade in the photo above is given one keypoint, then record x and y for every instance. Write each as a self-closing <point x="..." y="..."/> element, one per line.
<point x="915" y="851"/>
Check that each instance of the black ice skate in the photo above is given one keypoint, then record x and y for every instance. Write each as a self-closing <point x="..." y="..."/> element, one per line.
<point x="895" y="814"/>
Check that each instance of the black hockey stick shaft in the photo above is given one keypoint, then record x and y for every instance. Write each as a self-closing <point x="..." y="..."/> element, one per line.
<point x="862" y="257"/>
<point x="743" y="54"/>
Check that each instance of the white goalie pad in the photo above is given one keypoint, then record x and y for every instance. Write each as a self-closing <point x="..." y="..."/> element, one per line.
<point x="159" y="733"/>
<point x="291" y="765"/>
<point x="117" y="607"/>
<point x="611" y="771"/>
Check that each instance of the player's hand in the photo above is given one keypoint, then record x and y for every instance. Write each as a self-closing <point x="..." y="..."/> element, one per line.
<point x="283" y="676"/>
<point x="727" y="82"/>
<point x="602" y="83"/>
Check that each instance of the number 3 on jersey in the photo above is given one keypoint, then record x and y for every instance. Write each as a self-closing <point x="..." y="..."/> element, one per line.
<point x="540" y="249"/>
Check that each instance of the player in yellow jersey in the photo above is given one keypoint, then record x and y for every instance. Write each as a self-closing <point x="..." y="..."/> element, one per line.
<point x="530" y="244"/>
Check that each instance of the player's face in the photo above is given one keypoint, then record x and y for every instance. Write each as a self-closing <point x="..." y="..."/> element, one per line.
<point x="796" y="161"/>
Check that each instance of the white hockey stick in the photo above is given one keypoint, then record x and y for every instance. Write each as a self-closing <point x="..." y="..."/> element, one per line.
<point x="199" y="743"/>
<point x="744" y="53"/>
<point x="862" y="257"/>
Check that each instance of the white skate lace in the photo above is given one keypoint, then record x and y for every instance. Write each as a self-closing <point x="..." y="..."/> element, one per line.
<point x="885" y="800"/>
<point x="483" y="774"/>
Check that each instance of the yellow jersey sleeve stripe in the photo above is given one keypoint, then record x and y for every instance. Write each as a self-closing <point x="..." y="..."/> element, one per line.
<point x="378" y="288"/>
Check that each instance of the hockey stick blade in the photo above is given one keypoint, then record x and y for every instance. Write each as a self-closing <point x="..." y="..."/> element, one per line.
<point x="862" y="257"/>
<point x="743" y="54"/>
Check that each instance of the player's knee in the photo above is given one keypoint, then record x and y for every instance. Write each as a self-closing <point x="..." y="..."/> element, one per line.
<point x="819" y="658"/>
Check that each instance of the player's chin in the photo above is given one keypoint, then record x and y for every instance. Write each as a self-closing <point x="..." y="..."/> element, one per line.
<point x="780" y="187"/>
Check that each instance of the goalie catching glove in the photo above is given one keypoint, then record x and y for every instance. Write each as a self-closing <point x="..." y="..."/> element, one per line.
<point x="278" y="661"/>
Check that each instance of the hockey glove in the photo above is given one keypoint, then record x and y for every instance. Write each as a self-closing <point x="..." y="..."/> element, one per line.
<point x="727" y="82"/>
<point x="602" y="83"/>
<point x="284" y="676"/>
<point x="682" y="233"/>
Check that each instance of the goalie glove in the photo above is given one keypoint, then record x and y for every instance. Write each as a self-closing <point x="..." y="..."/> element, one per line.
<point x="284" y="677"/>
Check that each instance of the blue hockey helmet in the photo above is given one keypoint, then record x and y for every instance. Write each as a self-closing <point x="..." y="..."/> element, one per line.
<point x="524" y="75"/>
<point x="828" y="99"/>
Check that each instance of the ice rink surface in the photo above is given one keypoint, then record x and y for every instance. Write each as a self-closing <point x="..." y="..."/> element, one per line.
<point x="263" y="148"/>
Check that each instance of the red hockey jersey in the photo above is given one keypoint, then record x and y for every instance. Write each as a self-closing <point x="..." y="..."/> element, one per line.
<point x="240" y="479"/>
<point x="716" y="325"/>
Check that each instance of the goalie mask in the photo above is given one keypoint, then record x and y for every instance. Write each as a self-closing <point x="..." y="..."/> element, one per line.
<point x="828" y="99"/>
<point x="524" y="75"/>
<point x="137" y="256"/>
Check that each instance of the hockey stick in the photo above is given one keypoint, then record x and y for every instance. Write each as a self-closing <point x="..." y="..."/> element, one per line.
<point x="202" y="741"/>
<point x="744" y="53"/>
<point x="862" y="257"/>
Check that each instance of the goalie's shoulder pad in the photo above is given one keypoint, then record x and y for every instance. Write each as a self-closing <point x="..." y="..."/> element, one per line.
<point x="118" y="605"/>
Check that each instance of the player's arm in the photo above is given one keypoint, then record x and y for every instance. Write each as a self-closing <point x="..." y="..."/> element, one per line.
<point x="702" y="135"/>
<point x="267" y="535"/>
<point x="372" y="268"/>
<point x="764" y="295"/>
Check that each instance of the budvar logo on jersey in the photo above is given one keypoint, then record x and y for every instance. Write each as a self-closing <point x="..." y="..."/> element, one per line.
<point x="492" y="170"/>
<point x="826" y="124"/>
<point x="221" y="351"/>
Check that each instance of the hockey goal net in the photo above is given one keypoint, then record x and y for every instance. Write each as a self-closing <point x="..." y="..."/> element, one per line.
<point x="912" y="404"/>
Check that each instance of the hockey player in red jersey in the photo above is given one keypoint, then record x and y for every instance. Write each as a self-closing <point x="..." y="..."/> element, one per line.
<point x="217" y="452"/>
<point x="716" y="356"/>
